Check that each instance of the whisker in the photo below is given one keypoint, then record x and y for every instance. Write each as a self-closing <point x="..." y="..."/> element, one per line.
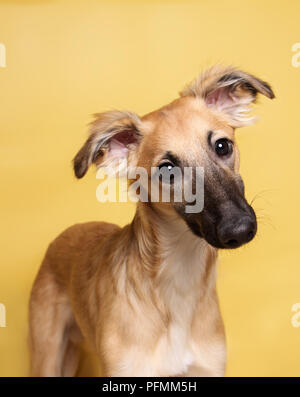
<point x="260" y="194"/>
<point x="262" y="217"/>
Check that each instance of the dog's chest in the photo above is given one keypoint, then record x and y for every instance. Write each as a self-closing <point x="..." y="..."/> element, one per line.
<point x="180" y="289"/>
<point x="170" y="355"/>
<point x="172" y="351"/>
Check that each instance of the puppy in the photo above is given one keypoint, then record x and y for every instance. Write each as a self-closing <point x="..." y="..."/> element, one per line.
<point x="144" y="296"/>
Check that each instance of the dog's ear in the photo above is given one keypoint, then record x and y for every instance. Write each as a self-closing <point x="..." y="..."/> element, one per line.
<point x="229" y="91"/>
<point x="114" y="136"/>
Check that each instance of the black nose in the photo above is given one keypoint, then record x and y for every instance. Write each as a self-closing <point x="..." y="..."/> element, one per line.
<point x="233" y="234"/>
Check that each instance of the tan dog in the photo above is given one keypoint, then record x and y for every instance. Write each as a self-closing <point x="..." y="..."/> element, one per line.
<point x="144" y="297"/>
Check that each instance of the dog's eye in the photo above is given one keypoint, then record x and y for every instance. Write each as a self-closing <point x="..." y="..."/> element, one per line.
<point x="223" y="147"/>
<point x="166" y="166"/>
<point x="165" y="174"/>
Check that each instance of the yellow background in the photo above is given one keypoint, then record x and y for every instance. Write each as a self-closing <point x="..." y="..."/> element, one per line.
<point x="68" y="59"/>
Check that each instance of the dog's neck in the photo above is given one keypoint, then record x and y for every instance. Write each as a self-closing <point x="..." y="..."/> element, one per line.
<point x="179" y="262"/>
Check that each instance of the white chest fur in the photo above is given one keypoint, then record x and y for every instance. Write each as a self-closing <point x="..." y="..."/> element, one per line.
<point x="174" y="352"/>
<point x="170" y="356"/>
<point x="180" y="289"/>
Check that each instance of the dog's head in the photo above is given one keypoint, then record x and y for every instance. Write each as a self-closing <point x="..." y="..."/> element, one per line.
<point x="195" y="130"/>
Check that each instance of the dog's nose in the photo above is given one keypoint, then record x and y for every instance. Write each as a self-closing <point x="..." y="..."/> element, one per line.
<point x="233" y="234"/>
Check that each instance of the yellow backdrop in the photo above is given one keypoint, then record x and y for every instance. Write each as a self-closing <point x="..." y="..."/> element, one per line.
<point x="68" y="59"/>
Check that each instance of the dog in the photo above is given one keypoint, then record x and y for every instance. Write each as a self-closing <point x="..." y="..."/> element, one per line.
<point x="144" y="296"/>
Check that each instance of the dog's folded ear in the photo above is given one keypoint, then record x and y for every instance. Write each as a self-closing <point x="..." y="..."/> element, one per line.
<point x="229" y="91"/>
<point x="113" y="137"/>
